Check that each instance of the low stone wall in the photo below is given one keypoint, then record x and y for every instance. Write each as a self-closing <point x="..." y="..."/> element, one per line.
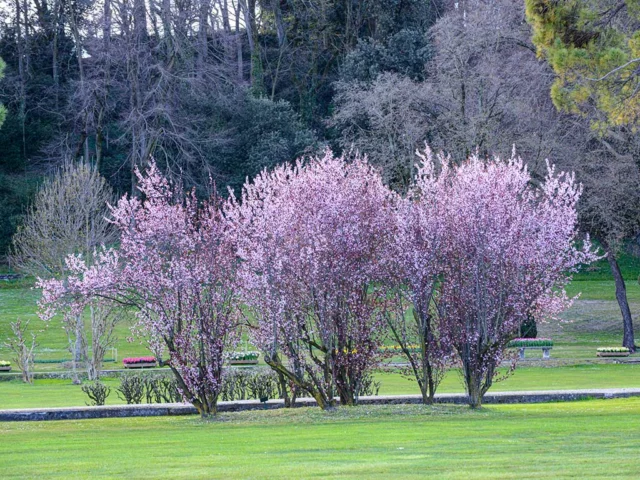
<point x="156" y="410"/>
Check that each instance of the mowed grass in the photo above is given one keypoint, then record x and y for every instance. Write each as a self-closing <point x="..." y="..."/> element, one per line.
<point x="593" y="321"/>
<point x="52" y="339"/>
<point x="588" y="324"/>
<point x="62" y="393"/>
<point x="587" y="439"/>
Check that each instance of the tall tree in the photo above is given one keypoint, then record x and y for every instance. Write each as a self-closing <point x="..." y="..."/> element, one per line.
<point x="508" y="252"/>
<point x="177" y="267"/>
<point x="594" y="50"/>
<point x="313" y="238"/>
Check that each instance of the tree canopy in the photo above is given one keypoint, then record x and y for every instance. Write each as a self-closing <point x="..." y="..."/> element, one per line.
<point x="594" y="49"/>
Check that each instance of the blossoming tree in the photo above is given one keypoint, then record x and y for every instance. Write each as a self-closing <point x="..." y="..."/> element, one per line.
<point x="508" y="252"/>
<point x="177" y="266"/>
<point x="420" y="239"/>
<point x="313" y="239"/>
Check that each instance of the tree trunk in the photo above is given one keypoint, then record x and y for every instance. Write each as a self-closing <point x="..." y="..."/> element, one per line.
<point x="472" y="378"/>
<point x="280" y="25"/>
<point x="324" y="402"/>
<point x="22" y="75"/>
<point x="621" y="296"/>
<point x="257" y="81"/>
<point x="475" y="396"/>
<point x="78" y="349"/>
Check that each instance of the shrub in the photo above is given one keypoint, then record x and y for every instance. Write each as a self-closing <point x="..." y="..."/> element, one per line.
<point x="5" y="363"/>
<point x="161" y="389"/>
<point x="131" y="389"/>
<point x="368" y="387"/>
<point x="263" y="385"/>
<point x="97" y="392"/>
<point x="234" y="384"/>
<point x="529" y="329"/>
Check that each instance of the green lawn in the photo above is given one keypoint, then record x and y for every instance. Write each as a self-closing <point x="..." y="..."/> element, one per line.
<point x="602" y="289"/>
<point x="588" y="439"/>
<point x="52" y="339"/>
<point x="593" y="321"/>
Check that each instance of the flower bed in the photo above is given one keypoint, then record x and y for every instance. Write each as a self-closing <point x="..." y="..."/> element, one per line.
<point x="530" y="343"/>
<point x="5" y="366"/>
<point x="139" y="362"/>
<point x="612" y="352"/>
<point x="244" y="358"/>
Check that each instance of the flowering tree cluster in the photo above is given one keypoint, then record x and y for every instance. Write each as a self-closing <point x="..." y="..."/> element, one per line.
<point x="329" y="262"/>
<point x="176" y="265"/>
<point x="313" y="239"/>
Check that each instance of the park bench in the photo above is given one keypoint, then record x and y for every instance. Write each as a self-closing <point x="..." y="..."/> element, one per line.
<point x="522" y="344"/>
<point x="545" y="352"/>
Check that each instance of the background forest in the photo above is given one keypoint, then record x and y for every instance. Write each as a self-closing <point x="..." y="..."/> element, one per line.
<point x="224" y="88"/>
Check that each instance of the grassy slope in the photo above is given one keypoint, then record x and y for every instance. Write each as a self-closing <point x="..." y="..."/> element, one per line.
<point x="594" y="283"/>
<point x="22" y="303"/>
<point x="601" y="318"/>
<point x="594" y="439"/>
<point x="593" y="321"/>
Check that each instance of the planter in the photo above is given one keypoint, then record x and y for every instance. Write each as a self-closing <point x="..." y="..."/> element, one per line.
<point x="5" y="369"/>
<point x="140" y="365"/>
<point x="612" y="354"/>
<point x="243" y="362"/>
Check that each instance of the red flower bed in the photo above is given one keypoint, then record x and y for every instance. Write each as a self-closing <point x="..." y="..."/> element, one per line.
<point x="135" y="360"/>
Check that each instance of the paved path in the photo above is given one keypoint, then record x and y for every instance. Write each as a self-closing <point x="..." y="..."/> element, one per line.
<point x="153" y="410"/>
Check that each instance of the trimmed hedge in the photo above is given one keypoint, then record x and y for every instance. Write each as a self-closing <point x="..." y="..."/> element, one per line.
<point x="530" y="342"/>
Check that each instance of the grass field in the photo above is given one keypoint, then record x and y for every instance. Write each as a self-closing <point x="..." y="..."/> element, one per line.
<point x="593" y="321"/>
<point x="62" y="393"/>
<point x="587" y="439"/>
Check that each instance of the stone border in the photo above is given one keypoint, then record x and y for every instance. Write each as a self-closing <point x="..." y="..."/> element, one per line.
<point x="165" y="409"/>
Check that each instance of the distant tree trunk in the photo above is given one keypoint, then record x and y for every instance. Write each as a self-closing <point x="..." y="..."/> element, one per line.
<point x="203" y="40"/>
<point x="225" y="16"/>
<point x="238" y="11"/>
<point x="621" y="296"/>
<point x="257" y="81"/>
<point x="280" y="26"/>
<point x="54" y="53"/>
<point x="78" y="349"/>
<point x="22" y="74"/>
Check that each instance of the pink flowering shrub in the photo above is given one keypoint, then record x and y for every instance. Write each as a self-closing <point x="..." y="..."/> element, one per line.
<point x="329" y="261"/>
<point x="177" y="266"/>
<point x="313" y="240"/>
<point x="507" y="252"/>
<point x="419" y="246"/>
